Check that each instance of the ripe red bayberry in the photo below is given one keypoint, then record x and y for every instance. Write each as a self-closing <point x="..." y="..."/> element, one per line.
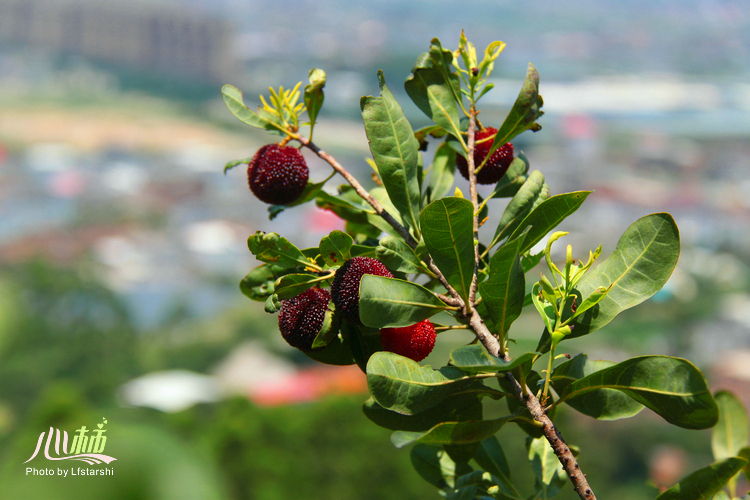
<point x="498" y="163"/>
<point x="345" y="286"/>
<point x="415" y="341"/>
<point x="302" y="317"/>
<point x="277" y="174"/>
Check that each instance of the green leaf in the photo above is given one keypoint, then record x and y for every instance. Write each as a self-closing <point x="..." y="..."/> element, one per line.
<point x="491" y="458"/>
<point x="275" y="249"/>
<point x="450" y="409"/>
<point x="365" y="342"/>
<point x="395" y="151"/>
<point x="398" y="256"/>
<point x="308" y="194"/>
<point x="704" y="483"/>
<point x="392" y="303"/>
<point x="233" y="99"/>
<point x="230" y="165"/>
<point x="639" y="267"/>
<point x="314" y="94"/>
<point x="513" y="179"/>
<point x="432" y="93"/>
<point x="602" y="404"/>
<point x="672" y="387"/>
<point x="470" y="431"/>
<point x="338" y="352"/>
<point x="731" y="432"/>
<point x="259" y="283"/>
<point x="426" y="460"/>
<point x="402" y="385"/>
<point x="474" y="358"/>
<point x="548" y="471"/>
<point x="273" y="304"/>
<point x="373" y="218"/>
<point x="524" y="113"/>
<point x="519" y="206"/>
<point x="447" y="227"/>
<point x="363" y="251"/>
<point x="504" y="291"/>
<point x="291" y="285"/>
<point x="547" y="215"/>
<point x="442" y="172"/>
<point x="745" y="454"/>
<point x="336" y="248"/>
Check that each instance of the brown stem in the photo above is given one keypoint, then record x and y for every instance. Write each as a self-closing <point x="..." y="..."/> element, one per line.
<point x="474" y="202"/>
<point x="555" y="439"/>
<point x="362" y="192"/>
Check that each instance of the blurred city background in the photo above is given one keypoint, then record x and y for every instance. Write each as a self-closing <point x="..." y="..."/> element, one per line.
<point x="122" y="243"/>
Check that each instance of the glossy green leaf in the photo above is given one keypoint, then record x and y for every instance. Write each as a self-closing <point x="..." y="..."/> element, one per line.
<point x="430" y="130"/>
<point x="310" y="192"/>
<point x="639" y="267"/>
<point x="233" y="99"/>
<point x="447" y="228"/>
<point x="704" y="483"/>
<point x="548" y="471"/>
<point x="731" y="432"/>
<point x="470" y="431"/>
<point x="365" y="342"/>
<point x="547" y="215"/>
<point x="466" y="405"/>
<point x="314" y="94"/>
<point x="398" y="256"/>
<point x="259" y="283"/>
<point x="442" y="172"/>
<point x="672" y="387"/>
<point x="402" y="385"/>
<point x="433" y="94"/>
<point x="391" y="303"/>
<point x="513" y="179"/>
<point x="474" y="358"/>
<point x="491" y="458"/>
<point x="524" y="113"/>
<point x="336" y="248"/>
<point x="504" y="291"/>
<point x="363" y="251"/>
<point x="374" y="219"/>
<point x="395" y="151"/>
<point x="230" y="165"/>
<point x="519" y="206"/>
<point x="275" y="249"/>
<point x="291" y="285"/>
<point x="602" y="404"/>
<point x="344" y="205"/>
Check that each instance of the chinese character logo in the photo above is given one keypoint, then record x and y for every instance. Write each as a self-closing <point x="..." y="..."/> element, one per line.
<point x="87" y="445"/>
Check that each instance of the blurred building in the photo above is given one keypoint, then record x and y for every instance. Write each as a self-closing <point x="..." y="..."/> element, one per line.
<point x="160" y="39"/>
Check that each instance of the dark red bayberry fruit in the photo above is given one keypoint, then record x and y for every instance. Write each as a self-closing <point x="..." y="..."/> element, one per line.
<point x="301" y="317"/>
<point x="498" y="163"/>
<point x="345" y="286"/>
<point x="277" y="174"/>
<point x="415" y="341"/>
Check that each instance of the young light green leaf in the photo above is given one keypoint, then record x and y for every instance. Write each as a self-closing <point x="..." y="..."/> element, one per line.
<point x="474" y="358"/>
<point x="672" y="387"/>
<point x="704" y="483"/>
<point x="336" y="248"/>
<point x="402" y="385"/>
<point x="524" y="113"/>
<point x="314" y="94"/>
<point x="447" y="226"/>
<point x="398" y="256"/>
<point x="395" y="151"/>
<point x="432" y="93"/>
<point x="602" y="404"/>
<point x="233" y="99"/>
<point x="504" y="291"/>
<point x="392" y="303"/>
<point x="470" y="431"/>
<point x="547" y="215"/>
<point x="275" y="249"/>
<point x="731" y="432"/>
<point x="230" y="165"/>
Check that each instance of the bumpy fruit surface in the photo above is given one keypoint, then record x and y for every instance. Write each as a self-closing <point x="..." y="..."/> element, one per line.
<point x="498" y="163"/>
<point x="345" y="286"/>
<point x="301" y="317"/>
<point x="277" y="174"/>
<point x="415" y="341"/>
